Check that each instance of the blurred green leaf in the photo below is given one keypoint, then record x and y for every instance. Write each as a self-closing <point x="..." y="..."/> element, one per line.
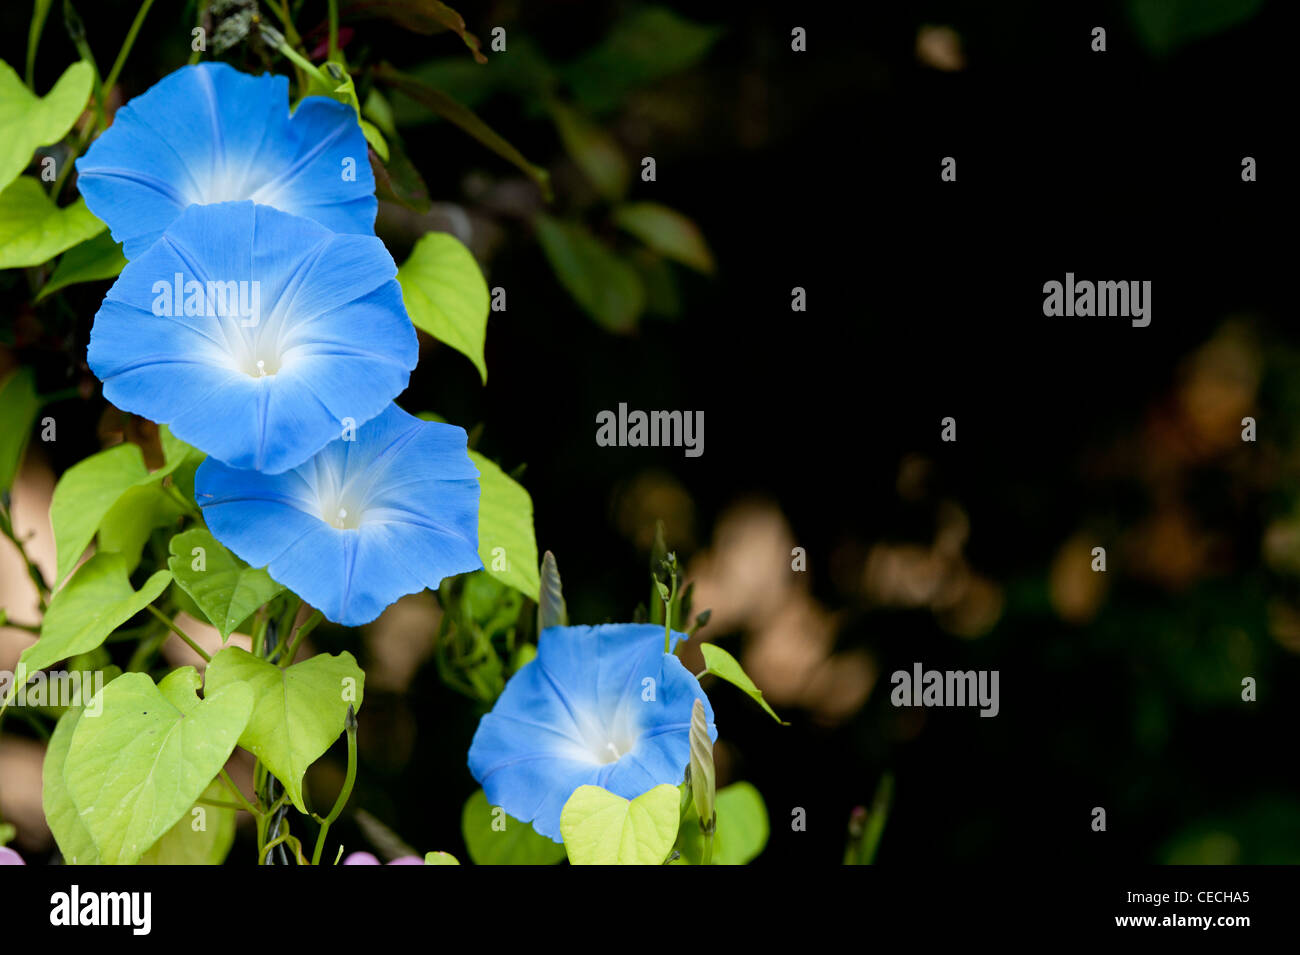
<point x="419" y="16"/>
<point x="20" y="402"/>
<point x="33" y="229"/>
<point x="1164" y="25"/>
<point x="662" y="295"/>
<point x="90" y="261"/>
<point x="452" y="111"/>
<point x="523" y="74"/>
<point x="667" y="232"/>
<point x="494" y="838"/>
<point x="30" y="121"/>
<point x="446" y="295"/>
<point x="742" y="828"/>
<point x="606" y="286"/>
<point x="646" y="45"/>
<point x="397" y="180"/>
<point x="594" y="150"/>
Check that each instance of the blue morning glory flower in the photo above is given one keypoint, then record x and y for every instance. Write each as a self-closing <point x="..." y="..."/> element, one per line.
<point x="209" y="133"/>
<point x="362" y="523"/>
<point x="256" y="335"/>
<point x="603" y="706"/>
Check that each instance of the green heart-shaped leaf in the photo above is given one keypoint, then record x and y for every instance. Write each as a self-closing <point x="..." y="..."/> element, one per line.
<point x="226" y="589"/>
<point x="85" y="494"/>
<point x="445" y="294"/>
<point x="29" y="120"/>
<point x="600" y="828"/>
<point x="299" y="711"/>
<point x="33" y="229"/>
<point x="139" y="766"/>
<point x="87" y="491"/>
<point x="203" y="836"/>
<point x="507" y="543"/>
<point x="95" y="602"/>
<point x="60" y="811"/>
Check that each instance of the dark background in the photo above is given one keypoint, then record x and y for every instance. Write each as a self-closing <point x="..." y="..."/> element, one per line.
<point x="821" y="170"/>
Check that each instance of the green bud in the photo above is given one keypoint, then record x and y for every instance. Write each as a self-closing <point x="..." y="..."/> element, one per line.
<point x="551" y="609"/>
<point x="703" y="774"/>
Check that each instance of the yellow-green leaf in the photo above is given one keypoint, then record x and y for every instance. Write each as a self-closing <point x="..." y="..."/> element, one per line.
<point x="203" y="836"/>
<point x="600" y="828"/>
<point x="724" y="666"/>
<point x="29" y="120"/>
<point x="445" y="295"/>
<point x="226" y="589"/>
<point x="34" y="230"/>
<point x="92" y="260"/>
<point x="95" y="602"/>
<point x="20" y="403"/>
<point x="507" y="544"/>
<point x="137" y="768"/>
<point x="299" y="711"/>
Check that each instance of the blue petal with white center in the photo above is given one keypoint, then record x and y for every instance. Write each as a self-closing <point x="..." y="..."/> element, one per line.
<point x="256" y="335"/>
<point x="362" y="523"/>
<point x="208" y="133"/>
<point x="601" y="706"/>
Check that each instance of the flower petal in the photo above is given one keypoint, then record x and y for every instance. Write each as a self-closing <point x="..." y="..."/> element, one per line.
<point x="411" y="493"/>
<point x="208" y="133"/>
<point x="586" y="688"/>
<point x="335" y="342"/>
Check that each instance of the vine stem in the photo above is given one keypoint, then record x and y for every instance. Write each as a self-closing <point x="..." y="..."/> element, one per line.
<point x="307" y="627"/>
<point x="346" y="792"/>
<point x="243" y="800"/>
<point x="34" y="572"/>
<point x="220" y="804"/>
<point x="171" y="625"/>
<point x="668" y="617"/>
<point x="126" y="46"/>
<point x="289" y="838"/>
<point x="174" y="492"/>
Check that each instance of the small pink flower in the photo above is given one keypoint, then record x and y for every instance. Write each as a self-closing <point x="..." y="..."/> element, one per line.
<point x="365" y="858"/>
<point x="9" y="857"/>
